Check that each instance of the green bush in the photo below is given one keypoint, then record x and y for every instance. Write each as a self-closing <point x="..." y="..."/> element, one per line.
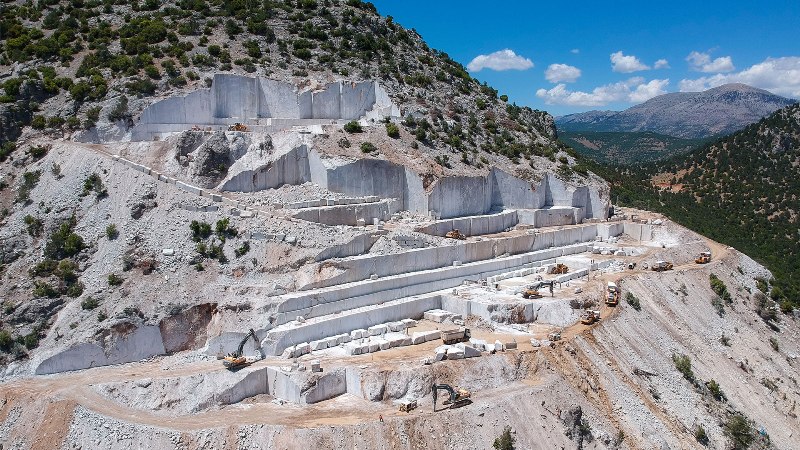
<point x="34" y="225"/>
<point x="114" y="279"/>
<point x="93" y="183"/>
<point x="200" y="230"/>
<point x="353" y="127"/>
<point x="39" y="122"/>
<point x="715" y="390"/>
<point x="29" y="181"/>
<point x="38" y="151"/>
<point x="368" y="147"/>
<point x="633" y="301"/>
<point x="6" y="341"/>
<point x="700" y="435"/>
<point x="64" y="243"/>
<point x="223" y="229"/>
<point x="737" y="428"/>
<point x="112" y="232"/>
<point x="241" y="251"/>
<point x="505" y="441"/>
<point x="392" y="130"/>
<point x="101" y="316"/>
<point x="684" y="365"/>
<point x="90" y="303"/>
<point x="42" y="289"/>
<point x="719" y="288"/>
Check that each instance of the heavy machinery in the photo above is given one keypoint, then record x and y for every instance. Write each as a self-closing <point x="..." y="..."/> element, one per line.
<point x="554" y="336"/>
<point x="590" y="316"/>
<point x="612" y="294"/>
<point x="408" y="406"/>
<point x="236" y="360"/>
<point x="238" y="126"/>
<point x="660" y="266"/>
<point x="532" y="291"/>
<point x="450" y="337"/>
<point x="704" y="258"/>
<point x="559" y="269"/>
<point x="455" y="234"/>
<point x="456" y="399"/>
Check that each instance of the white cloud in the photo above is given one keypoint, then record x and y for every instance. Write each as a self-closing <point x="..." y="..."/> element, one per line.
<point x="556" y="73"/>
<point x="626" y="63"/>
<point x="575" y="51"/>
<point x="661" y="64"/>
<point x="702" y="62"/>
<point x="633" y="90"/>
<point x="500" y="60"/>
<point x="778" y="75"/>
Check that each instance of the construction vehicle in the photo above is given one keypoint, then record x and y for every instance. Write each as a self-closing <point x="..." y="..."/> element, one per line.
<point x="660" y="266"/>
<point x="238" y="126"/>
<point x="236" y="360"/>
<point x="408" y="406"/>
<point x="559" y="269"/>
<point x="532" y="291"/>
<point x="450" y="337"/>
<point x="590" y="316"/>
<point x="612" y="294"/>
<point x="455" y="234"/>
<point x="704" y="258"/>
<point x="554" y="336"/>
<point x="456" y="399"/>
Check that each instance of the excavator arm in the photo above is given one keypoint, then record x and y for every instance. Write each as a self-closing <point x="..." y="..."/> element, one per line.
<point x="240" y="349"/>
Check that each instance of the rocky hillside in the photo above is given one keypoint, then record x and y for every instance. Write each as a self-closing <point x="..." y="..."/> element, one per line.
<point x="741" y="190"/>
<point x="688" y="115"/>
<point x="609" y="147"/>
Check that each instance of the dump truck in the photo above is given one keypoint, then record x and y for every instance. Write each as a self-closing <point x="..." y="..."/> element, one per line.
<point x="238" y="126"/>
<point x="590" y="316"/>
<point x="408" y="406"/>
<point x="455" y="234"/>
<point x="456" y="398"/>
<point x="235" y="360"/>
<point x="704" y="258"/>
<point x="660" y="266"/>
<point x="559" y="269"/>
<point x="612" y="294"/>
<point x="455" y="336"/>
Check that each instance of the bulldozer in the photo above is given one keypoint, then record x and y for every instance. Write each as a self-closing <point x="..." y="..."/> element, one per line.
<point x="590" y="316"/>
<point x="704" y="258"/>
<point x="612" y="294"/>
<point x="455" y="234"/>
<point x="456" y="399"/>
<point x="236" y="360"/>
<point x="661" y="266"/>
<point x="238" y="126"/>
<point x="559" y="269"/>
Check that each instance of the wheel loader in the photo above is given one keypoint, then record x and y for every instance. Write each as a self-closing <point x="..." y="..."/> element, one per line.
<point x="455" y="234"/>
<point x="559" y="269"/>
<point x="456" y="399"/>
<point x="704" y="258"/>
<point x="590" y="316"/>
<point x="238" y="126"/>
<point x="235" y="360"/>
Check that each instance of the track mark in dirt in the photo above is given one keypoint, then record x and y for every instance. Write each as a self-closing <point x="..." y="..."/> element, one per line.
<point x="53" y="427"/>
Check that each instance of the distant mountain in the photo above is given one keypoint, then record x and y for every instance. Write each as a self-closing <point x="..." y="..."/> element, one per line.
<point x="715" y="112"/>
<point x="611" y="147"/>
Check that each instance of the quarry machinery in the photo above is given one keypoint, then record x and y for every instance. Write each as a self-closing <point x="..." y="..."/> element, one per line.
<point x="559" y="269"/>
<point x="456" y="399"/>
<point x="450" y="337"/>
<point x="455" y="234"/>
<point x="612" y="294"/>
<point x="660" y="266"/>
<point x="235" y="359"/>
<point x="238" y="126"/>
<point x="532" y="291"/>
<point x="590" y="316"/>
<point x="704" y="258"/>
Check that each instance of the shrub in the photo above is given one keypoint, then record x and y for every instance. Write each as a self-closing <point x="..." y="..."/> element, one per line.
<point x="353" y="127"/>
<point x="90" y="303"/>
<point x="114" y="279"/>
<point x="684" y="365"/>
<point x="773" y="343"/>
<point x="633" y="301"/>
<point x="725" y="340"/>
<point x="738" y="430"/>
<point x="719" y="288"/>
<point x="715" y="390"/>
<point x="765" y="307"/>
<point x="93" y="183"/>
<point x="200" y="230"/>
<point x="75" y="290"/>
<point x="42" y="289"/>
<point x="368" y="147"/>
<point x="505" y="441"/>
<point x="241" y="251"/>
<point x="39" y="122"/>
<point x="223" y="229"/>
<point x="63" y="243"/>
<point x="34" y="225"/>
<point x="700" y="435"/>
<point x="31" y="340"/>
<point x="120" y="110"/>
<point x="29" y="181"/>
<point x="392" y="130"/>
<point x="101" y="316"/>
<point x="112" y="232"/>
<point x="38" y="151"/>
<point x="6" y="341"/>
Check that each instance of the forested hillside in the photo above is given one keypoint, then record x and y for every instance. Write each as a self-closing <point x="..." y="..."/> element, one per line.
<point x="742" y="190"/>
<point x="627" y="148"/>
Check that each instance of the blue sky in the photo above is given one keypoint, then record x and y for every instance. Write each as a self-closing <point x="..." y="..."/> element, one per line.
<point x="611" y="55"/>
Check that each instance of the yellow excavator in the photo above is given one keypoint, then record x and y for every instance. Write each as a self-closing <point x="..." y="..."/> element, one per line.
<point x="532" y="291"/>
<point x="238" y="126"/>
<point x="236" y="360"/>
<point x="455" y="234"/>
<point x="456" y="399"/>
